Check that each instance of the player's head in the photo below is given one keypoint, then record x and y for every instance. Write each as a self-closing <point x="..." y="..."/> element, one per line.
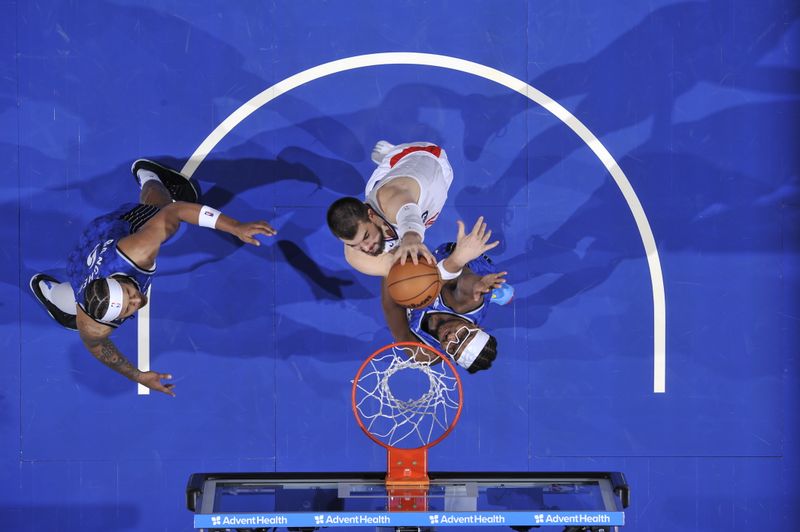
<point x="470" y="346"/>
<point x="112" y="298"/>
<point x="354" y="223"/>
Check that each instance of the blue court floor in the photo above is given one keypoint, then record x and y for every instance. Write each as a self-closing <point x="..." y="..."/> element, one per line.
<point x="638" y="161"/>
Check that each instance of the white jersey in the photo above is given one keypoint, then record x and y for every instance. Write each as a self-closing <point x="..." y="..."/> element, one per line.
<point x="422" y="161"/>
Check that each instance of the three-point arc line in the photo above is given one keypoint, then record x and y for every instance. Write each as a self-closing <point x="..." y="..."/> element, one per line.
<point x="491" y="74"/>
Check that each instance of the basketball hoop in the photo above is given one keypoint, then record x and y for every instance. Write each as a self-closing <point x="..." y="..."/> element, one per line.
<point x="407" y="412"/>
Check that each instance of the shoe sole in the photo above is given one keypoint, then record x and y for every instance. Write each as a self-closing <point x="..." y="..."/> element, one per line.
<point x="62" y="318"/>
<point x="180" y="187"/>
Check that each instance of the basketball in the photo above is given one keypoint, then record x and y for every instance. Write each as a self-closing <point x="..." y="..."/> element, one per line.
<point x="413" y="285"/>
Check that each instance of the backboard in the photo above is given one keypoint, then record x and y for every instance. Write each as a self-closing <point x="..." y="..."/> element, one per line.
<point x="258" y="501"/>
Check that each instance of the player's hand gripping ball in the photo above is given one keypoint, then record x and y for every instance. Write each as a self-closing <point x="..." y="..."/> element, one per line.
<point x="413" y="285"/>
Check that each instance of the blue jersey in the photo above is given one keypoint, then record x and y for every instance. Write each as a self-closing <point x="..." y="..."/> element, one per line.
<point x="96" y="256"/>
<point x="481" y="266"/>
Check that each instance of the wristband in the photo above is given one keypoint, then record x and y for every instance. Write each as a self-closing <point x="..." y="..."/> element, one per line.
<point x="208" y="217"/>
<point x="444" y="274"/>
<point x="409" y="219"/>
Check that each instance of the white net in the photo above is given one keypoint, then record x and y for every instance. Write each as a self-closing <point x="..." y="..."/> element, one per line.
<point x="407" y="397"/>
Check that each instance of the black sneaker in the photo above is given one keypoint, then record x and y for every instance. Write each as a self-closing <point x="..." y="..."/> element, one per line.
<point x="180" y="187"/>
<point x="67" y="321"/>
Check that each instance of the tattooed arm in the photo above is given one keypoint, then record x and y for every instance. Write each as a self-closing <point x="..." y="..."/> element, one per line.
<point x="95" y="337"/>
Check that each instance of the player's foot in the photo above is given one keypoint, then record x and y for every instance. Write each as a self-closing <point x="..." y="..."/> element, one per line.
<point x="180" y="187"/>
<point x="503" y="294"/>
<point x="41" y="283"/>
<point x="381" y="150"/>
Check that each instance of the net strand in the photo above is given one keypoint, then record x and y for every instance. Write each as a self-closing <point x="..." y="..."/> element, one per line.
<point x="412" y="422"/>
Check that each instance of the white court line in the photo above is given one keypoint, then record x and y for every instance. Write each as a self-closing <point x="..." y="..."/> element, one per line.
<point x="143" y="337"/>
<point x="491" y="74"/>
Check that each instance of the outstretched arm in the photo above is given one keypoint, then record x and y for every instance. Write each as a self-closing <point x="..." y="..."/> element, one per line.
<point x="400" y="199"/>
<point x="465" y="287"/>
<point x="142" y="246"/>
<point x="95" y="337"/>
<point x="471" y="288"/>
<point x="469" y="246"/>
<point x="396" y="317"/>
<point x="397" y="320"/>
<point x="411" y="248"/>
<point x="378" y="266"/>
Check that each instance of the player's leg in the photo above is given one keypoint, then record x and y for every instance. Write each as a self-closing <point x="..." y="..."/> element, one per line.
<point x="161" y="185"/>
<point x="57" y="298"/>
<point x="154" y="193"/>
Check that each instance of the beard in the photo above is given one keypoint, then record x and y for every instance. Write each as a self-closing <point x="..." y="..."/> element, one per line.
<point x="379" y="246"/>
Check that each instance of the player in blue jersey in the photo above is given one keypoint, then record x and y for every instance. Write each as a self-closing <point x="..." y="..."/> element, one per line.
<point x="452" y="322"/>
<point x="110" y="269"/>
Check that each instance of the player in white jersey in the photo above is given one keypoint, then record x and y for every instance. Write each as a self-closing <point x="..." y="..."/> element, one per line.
<point x="403" y="197"/>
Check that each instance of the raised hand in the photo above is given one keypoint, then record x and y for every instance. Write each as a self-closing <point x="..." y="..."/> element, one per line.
<point x="487" y="283"/>
<point x="245" y="231"/>
<point x="152" y="380"/>
<point x="411" y="246"/>
<point x="470" y="246"/>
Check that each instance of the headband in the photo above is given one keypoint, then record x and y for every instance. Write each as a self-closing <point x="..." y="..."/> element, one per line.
<point x="114" y="300"/>
<point x="473" y="349"/>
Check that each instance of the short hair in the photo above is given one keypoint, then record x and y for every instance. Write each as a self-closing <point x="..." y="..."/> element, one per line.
<point x="96" y="296"/>
<point x="344" y="215"/>
<point x="485" y="357"/>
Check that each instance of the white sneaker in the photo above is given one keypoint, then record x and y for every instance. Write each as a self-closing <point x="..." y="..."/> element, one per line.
<point x="502" y="295"/>
<point x="67" y="321"/>
<point x="380" y="151"/>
